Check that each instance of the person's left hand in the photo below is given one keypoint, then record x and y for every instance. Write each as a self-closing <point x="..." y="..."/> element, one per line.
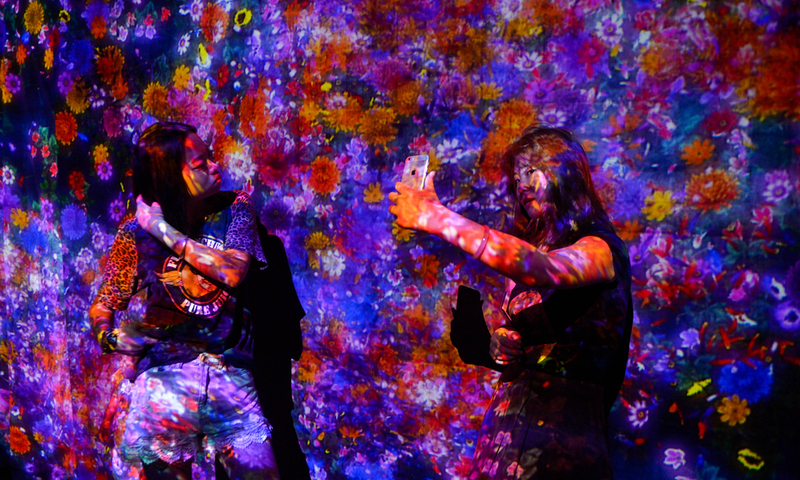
<point x="416" y="209"/>
<point x="505" y="346"/>
<point x="150" y="217"/>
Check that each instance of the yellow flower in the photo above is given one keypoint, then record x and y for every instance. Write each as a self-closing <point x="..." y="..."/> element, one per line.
<point x="181" y="77"/>
<point x="373" y="194"/>
<point x="697" y="152"/>
<point x="750" y="459"/>
<point x="317" y="241"/>
<point x="48" y="59"/>
<point x="100" y="154"/>
<point x="659" y="205"/>
<point x="155" y="100"/>
<point x="400" y="233"/>
<point x="34" y="18"/>
<point x="20" y="218"/>
<point x="733" y="410"/>
<point x="489" y="91"/>
<point x="242" y="17"/>
<point x="78" y="97"/>
<point x="378" y="126"/>
<point x="309" y="111"/>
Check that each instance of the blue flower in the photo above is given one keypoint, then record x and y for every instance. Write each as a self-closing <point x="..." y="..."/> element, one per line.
<point x="73" y="222"/>
<point x="746" y="381"/>
<point x="31" y="238"/>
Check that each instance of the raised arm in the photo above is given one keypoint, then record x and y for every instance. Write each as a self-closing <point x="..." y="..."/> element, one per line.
<point x="586" y="262"/>
<point x="228" y="267"/>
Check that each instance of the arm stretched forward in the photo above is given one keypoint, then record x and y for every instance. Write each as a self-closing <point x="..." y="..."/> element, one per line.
<point x="586" y="262"/>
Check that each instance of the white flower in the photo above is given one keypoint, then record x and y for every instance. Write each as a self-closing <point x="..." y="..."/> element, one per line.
<point x="609" y="29"/>
<point x="449" y="151"/>
<point x="778" y="186"/>
<point x="183" y="43"/>
<point x="528" y="61"/>
<point x="638" y="413"/>
<point x="239" y="165"/>
<point x="333" y="263"/>
<point x="8" y="175"/>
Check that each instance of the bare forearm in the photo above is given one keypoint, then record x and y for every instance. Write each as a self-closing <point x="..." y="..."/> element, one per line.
<point x="101" y="318"/>
<point x="584" y="263"/>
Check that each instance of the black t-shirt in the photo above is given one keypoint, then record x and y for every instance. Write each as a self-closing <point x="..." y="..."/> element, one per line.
<point x="195" y="313"/>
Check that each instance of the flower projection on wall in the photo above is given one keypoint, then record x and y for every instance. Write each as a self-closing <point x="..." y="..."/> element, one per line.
<point x="689" y="111"/>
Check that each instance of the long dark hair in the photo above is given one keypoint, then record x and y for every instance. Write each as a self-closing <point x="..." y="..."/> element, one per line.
<point x="157" y="164"/>
<point x="573" y="201"/>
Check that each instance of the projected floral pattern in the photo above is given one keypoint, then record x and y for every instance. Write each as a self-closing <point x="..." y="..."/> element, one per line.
<point x="689" y="111"/>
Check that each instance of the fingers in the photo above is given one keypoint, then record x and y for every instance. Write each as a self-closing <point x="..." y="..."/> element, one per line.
<point x="429" y="181"/>
<point x="505" y="346"/>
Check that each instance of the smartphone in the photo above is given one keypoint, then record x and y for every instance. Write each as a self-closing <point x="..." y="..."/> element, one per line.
<point x="415" y="170"/>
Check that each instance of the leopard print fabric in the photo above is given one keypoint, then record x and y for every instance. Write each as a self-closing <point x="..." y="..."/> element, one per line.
<point x="242" y="234"/>
<point x="119" y="277"/>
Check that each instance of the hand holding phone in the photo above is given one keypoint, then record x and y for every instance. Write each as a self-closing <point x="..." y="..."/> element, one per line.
<point x="415" y="170"/>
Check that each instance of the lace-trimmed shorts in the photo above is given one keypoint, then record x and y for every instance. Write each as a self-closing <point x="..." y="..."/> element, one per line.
<point x="174" y="406"/>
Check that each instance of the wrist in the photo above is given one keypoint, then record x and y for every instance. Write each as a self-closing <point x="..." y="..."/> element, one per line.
<point x="108" y="340"/>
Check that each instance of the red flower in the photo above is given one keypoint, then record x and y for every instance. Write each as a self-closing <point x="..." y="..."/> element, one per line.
<point x="77" y="183"/>
<point x="590" y="53"/>
<point x="222" y="74"/>
<point x="719" y="123"/>
<point x="164" y="14"/>
<point x="645" y="20"/>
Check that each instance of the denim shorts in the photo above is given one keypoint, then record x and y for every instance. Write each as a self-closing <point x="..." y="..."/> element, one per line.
<point x="176" y="408"/>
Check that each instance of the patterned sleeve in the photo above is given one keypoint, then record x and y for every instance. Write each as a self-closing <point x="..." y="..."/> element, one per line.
<point x="119" y="278"/>
<point x="242" y="233"/>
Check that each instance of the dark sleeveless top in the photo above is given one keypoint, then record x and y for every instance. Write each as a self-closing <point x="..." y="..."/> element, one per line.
<point x="591" y="326"/>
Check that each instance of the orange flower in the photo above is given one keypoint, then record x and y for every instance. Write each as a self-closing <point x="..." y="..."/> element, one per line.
<point x="155" y="100"/>
<point x="405" y="99"/>
<point x="378" y="126"/>
<point x="510" y="120"/>
<point x="98" y="27"/>
<point x="343" y="114"/>
<point x="324" y="175"/>
<point x="109" y="64"/>
<point x="22" y="54"/>
<point x="254" y="115"/>
<point x="66" y="128"/>
<point x="214" y="22"/>
<point x="733" y="410"/>
<point x="629" y="230"/>
<point x="712" y="190"/>
<point x="19" y="441"/>
<point x="697" y="152"/>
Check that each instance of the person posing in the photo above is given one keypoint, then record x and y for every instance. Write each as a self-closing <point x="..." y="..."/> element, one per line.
<point x="568" y="304"/>
<point x="188" y="247"/>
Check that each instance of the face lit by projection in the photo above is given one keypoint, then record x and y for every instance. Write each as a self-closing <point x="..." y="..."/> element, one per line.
<point x="200" y="172"/>
<point x="531" y="182"/>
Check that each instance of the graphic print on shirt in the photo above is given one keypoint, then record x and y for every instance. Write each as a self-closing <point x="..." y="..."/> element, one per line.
<point x="192" y="293"/>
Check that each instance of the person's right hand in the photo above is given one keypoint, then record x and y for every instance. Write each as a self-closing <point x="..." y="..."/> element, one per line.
<point x="505" y="346"/>
<point x="416" y="209"/>
<point x="136" y="338"/>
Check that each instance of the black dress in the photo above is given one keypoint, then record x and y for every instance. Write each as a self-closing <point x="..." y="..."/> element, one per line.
<point x="548" y="419"/>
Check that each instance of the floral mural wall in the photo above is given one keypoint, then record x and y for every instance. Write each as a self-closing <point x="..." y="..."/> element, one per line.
<point x="689" y="112"/>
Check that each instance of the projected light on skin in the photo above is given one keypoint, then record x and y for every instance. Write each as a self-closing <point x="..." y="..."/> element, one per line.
<point x="227" y="267"/>
<point x="583" y="263"/>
